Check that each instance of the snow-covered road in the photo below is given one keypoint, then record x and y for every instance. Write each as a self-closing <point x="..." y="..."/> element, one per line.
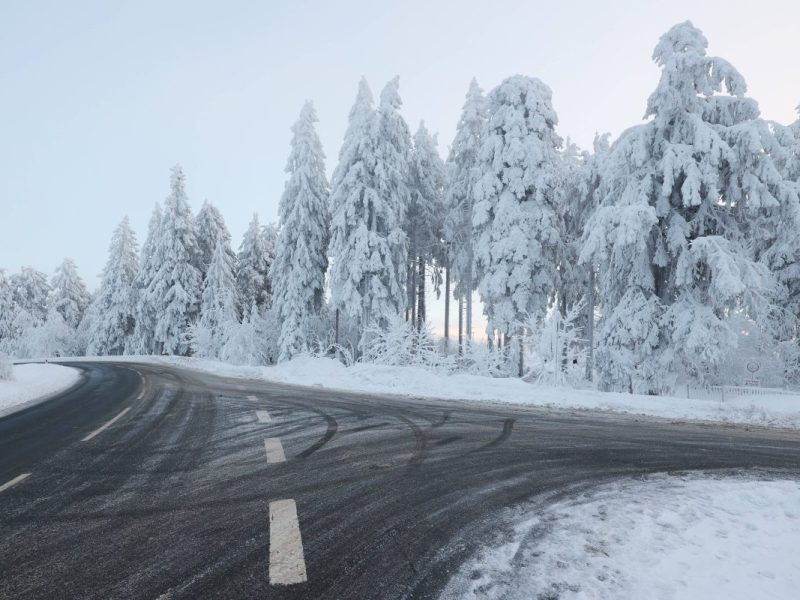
<point x="770" y="411"/>
<point x="661" y="537"/>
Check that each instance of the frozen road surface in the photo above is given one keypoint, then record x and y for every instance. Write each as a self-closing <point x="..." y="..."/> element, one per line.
<point x="149" y="481"/>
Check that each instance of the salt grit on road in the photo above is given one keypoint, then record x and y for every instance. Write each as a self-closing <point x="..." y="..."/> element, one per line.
<point x="665" y="537"/>
<point x="33" y="382"/>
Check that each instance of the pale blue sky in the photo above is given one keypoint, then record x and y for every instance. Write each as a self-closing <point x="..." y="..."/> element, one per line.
<point x="99" y="99"/>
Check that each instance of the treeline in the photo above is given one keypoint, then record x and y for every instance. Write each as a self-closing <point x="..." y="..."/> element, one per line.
<point x="634" y="261"/>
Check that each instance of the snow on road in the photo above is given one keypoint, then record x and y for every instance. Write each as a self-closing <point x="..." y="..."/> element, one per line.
<point x="34" y="382"/>
<point x="777" y="410"/>
<point x="769" y="410"/>
<point x="665" y="537"/>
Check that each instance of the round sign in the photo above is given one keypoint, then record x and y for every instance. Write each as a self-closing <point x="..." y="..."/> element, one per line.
<point x="753" y="366"/>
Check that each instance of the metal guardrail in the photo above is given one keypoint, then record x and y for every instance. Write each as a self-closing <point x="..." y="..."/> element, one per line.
<point x="723" y="392"/>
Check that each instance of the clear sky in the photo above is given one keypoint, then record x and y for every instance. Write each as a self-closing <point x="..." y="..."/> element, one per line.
<point x="99" y="99"/>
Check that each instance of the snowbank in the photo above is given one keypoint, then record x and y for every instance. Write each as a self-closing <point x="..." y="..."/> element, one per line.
<point x="34" y="382"/>
<point x="665" y="537"/>
<point x="777" y="410"/>
<point x="774" y="411"/>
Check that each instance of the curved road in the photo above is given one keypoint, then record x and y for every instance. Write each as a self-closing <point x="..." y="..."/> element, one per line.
<point x="173" y="498"/>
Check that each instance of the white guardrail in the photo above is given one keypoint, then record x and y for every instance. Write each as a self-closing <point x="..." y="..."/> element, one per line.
<point x="723" y="392"/>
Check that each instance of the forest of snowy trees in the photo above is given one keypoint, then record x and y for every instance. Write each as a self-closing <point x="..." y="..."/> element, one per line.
<point x="636" y="264"/>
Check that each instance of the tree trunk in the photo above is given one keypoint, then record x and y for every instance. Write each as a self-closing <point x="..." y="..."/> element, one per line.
<point x="469" y="302"/>
<point x="461" y="325"/>
<point x="421" y="297"/>
<point x="521" y="370"/>
<point x="590" y="324"/>
<point x="336" y="328"/>
<point x="446" y="307"/>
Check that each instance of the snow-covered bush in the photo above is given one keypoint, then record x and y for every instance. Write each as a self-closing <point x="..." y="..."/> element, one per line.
<point x="555" y="351"/>
<point x="254" y="341"/>
<point x="479" y="358"/>
<point x="401" y="344"/>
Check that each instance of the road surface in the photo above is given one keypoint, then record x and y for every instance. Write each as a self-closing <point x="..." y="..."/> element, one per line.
<point x="150" y="481"/>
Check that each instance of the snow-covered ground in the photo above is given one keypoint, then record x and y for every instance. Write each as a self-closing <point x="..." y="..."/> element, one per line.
<point x="776" y="411"/>
<point x="665" y="537"/>
<point x="33" y="382"/>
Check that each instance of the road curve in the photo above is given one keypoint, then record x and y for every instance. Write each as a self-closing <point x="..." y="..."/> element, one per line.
<point x="172" y="493"/>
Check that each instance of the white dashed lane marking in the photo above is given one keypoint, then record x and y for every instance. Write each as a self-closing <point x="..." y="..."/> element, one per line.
<point x="14" y="481"/>
<point x="106" y="426"/>
<point x="274" y="450"/>
<point x="286" y="562"/>
<point x="263" y="416"/>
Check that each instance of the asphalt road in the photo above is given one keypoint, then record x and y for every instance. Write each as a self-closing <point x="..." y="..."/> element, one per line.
<point x="173" y="499"/>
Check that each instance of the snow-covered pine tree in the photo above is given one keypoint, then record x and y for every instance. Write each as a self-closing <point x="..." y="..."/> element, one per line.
<point x="393" y="156"/>
<point x="270" y="233"/>
<point x="368" y="246"/>
<point x="7" y="312"/>
<point x="211" y="230"/>
<point x="516" y="217"/>
<point x="112" y="314"/>
<point x="68" y="294"/>
<point x="29" y="293"/>
<point x="253" y="263"/>
<point x="174" y="291"/>
<point x="424" y="220"/>
<point x="219" y="313"/>
<point x="6" y="371"/>
<point x="680" y="196"/>
<point x="779" y="244"/>
<point x="301" y="260"/>
<point x="462" y="175"/>
<point x="143" y="341"/>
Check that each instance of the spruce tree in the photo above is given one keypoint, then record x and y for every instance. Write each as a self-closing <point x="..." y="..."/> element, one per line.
<point x="68" y="294"/>
<point x="368" y="197"/>
<point x="143" y="341"/>
<point x="219" y="313"/>
<point x="253" y="263"/>
<point x="112" y="314"/>
<point x="301" y="260"/>
<point x="211" y="230"/>
<point x="462" y="175"/>
<point x="174" y="292"/>
<point x="683" y="198"/>
<point x="516" y="216"/>
<point x="425" y="215"/>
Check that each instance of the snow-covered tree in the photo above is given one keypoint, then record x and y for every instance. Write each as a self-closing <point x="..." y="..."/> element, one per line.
<point x="211" y="230"/>
<point x="424" y="220"/>
<point x="368" y="246"/>
<point x="143" y="341"/>
<point x="779" y="242"/>
<point x="219" y="313"/>
<point x="7" y="313"/>
<point x="682" y="201"/>
<point x="462" y="175"/>
<point x="253" y="264"/>
<point x="254" y="341"/>
<point x="174" y="292"/>
<point x="29" y="294"/>
<point x="301" y="258"/>
<point x="52" y="338"/>
<point x="516" y="217"/>
<point x="68" y="294"/>
<point x="393" y="163"/>
<point x="6" y="371"/>
<point x="112" y="314"/>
